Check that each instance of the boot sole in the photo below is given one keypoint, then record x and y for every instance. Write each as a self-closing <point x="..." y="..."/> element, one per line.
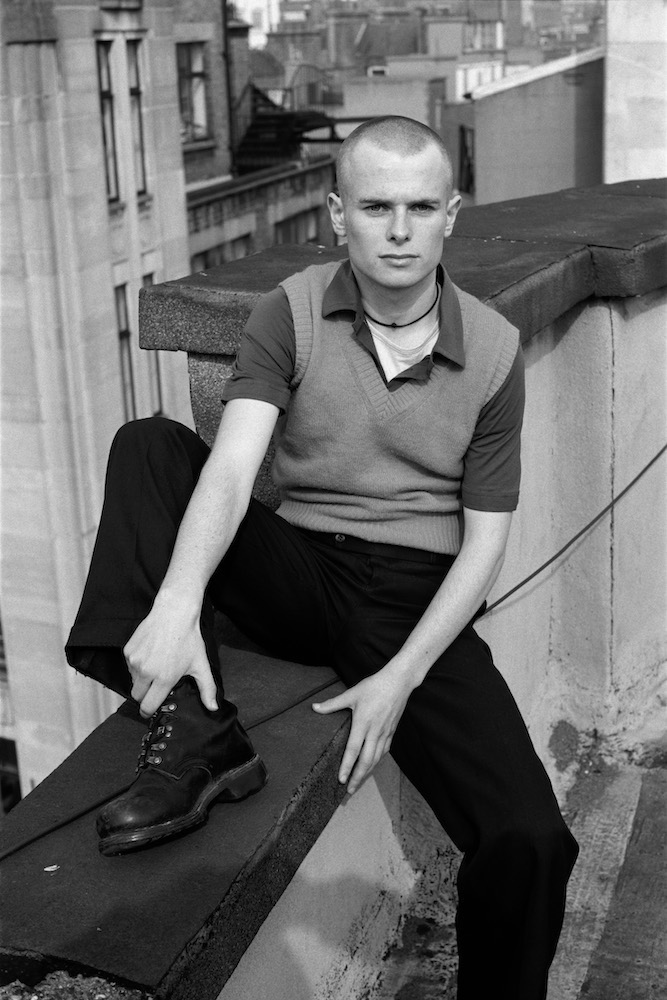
<point x="232" y="786"/>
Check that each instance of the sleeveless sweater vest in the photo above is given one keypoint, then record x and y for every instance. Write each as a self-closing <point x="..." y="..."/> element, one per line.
<point x="355" y="458"/>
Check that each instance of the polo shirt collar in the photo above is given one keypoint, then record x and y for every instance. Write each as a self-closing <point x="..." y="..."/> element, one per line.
<point x="343" y="295"/>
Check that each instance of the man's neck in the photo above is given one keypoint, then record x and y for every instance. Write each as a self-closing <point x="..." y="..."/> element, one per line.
<point x="396" y="305"/>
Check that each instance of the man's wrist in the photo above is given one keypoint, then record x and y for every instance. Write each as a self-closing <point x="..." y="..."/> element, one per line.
<point x="405" y="672"/>
<point x="185" y="600"/>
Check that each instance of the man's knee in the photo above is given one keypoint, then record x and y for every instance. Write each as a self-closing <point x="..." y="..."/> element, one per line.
<point x="540" y="844"/>
<point x="158" y="437"/>
<point x="134" y="433"/>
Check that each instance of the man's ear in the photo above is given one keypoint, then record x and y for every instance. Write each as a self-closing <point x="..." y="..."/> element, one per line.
<point x="337" y="213"/>
<point x="453" y="206"/>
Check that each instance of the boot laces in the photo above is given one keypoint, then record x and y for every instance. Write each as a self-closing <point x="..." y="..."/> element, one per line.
<point x="159" y="731"/>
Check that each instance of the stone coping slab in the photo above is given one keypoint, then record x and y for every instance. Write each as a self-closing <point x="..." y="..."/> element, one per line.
<point x="531" y="258"/>
<point x="174" y="919"/>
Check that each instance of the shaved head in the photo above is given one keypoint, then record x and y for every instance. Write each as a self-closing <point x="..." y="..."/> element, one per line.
<point x="392" y="133"/>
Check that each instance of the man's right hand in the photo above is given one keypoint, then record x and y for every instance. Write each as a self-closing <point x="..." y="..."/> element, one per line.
<point x="165" y="647"/>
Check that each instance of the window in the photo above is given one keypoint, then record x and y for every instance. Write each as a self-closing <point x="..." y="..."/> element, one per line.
<point x="301" y="228"/>
<point x="154" y="374"/>
<point x="10" y="788"/>
<point x="134" y="77"/>
<point x="108" y="124"/>
<point x="124" y="340"/>
<point x="466" y="159"/>
<point x="192" y="92"/>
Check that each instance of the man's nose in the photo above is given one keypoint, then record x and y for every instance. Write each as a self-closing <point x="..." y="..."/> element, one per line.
<point x="399" y="226"/>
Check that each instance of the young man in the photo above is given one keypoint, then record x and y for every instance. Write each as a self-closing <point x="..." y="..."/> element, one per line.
<point x="395" y="401"/>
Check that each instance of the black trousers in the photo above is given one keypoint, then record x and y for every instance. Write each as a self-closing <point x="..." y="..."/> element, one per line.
<point x="461" y="740"/>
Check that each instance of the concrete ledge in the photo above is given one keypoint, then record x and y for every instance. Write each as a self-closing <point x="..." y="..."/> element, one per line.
<point x="173" y="920"/>
<point x="205" y="312"/>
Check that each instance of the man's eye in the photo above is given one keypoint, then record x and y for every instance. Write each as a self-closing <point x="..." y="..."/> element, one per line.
<point x="422" y="208"/>
<point x="376" y="209"/>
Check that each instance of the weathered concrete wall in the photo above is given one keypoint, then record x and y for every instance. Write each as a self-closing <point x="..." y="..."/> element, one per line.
<point x="325" y="937"/>
<point x="584" y="644"/>
<point x="635" y="135"/>
<point x="636" y="699"/>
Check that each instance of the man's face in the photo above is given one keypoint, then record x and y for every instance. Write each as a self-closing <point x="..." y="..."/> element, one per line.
<point x="395" y="211"/>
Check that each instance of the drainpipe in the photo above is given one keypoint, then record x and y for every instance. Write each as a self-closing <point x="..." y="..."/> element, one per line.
<point x="226" y="56"/>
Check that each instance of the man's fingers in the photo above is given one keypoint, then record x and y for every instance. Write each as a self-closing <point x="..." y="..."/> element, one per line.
<point x="153" y="698"/>
<point x="336" y="704"/>
<point x="139" y="689"/>
<point x="353" y="750"/>
<point x="365" y="763"/>
<point x="362" y="753"/>
<point x="207" y="689"/>
<point x="372" y="753"/>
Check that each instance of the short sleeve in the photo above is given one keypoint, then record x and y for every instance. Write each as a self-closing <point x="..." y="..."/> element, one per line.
<point x="264" y="364"/>
<point x="492" y="464"/>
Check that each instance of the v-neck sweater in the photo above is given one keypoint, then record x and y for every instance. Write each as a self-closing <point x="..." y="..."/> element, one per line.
<point x="356" y="458"/>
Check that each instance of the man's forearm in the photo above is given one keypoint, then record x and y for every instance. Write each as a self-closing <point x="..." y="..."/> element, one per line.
<point x="220" y="499"/>
<point x="208" y="528"/>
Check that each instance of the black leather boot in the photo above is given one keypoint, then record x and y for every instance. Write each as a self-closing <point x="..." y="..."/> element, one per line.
<point x="189" y="758"/>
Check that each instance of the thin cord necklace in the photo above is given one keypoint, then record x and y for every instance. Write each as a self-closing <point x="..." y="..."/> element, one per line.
<point x="399" y="326"/>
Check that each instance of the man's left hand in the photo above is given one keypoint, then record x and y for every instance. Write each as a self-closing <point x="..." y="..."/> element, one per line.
<point x="377" y="704"/>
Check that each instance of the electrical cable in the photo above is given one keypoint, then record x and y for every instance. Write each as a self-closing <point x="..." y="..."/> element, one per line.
<point x="269" y="716"/>
<point x="576" y="537"/>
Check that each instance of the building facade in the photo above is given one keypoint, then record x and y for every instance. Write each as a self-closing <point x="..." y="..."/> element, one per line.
<point x="118" y="137"/>
<point x="93" y="209"/>
<point x="635" y="135"/>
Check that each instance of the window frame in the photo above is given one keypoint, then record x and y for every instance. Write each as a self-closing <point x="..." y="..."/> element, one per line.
<point x="154" y="370"/>
<point x="128" y="391"/>
<point x="108" y="118"/>
<point x="133" y="45"/>
<point x="193" y="89"/>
